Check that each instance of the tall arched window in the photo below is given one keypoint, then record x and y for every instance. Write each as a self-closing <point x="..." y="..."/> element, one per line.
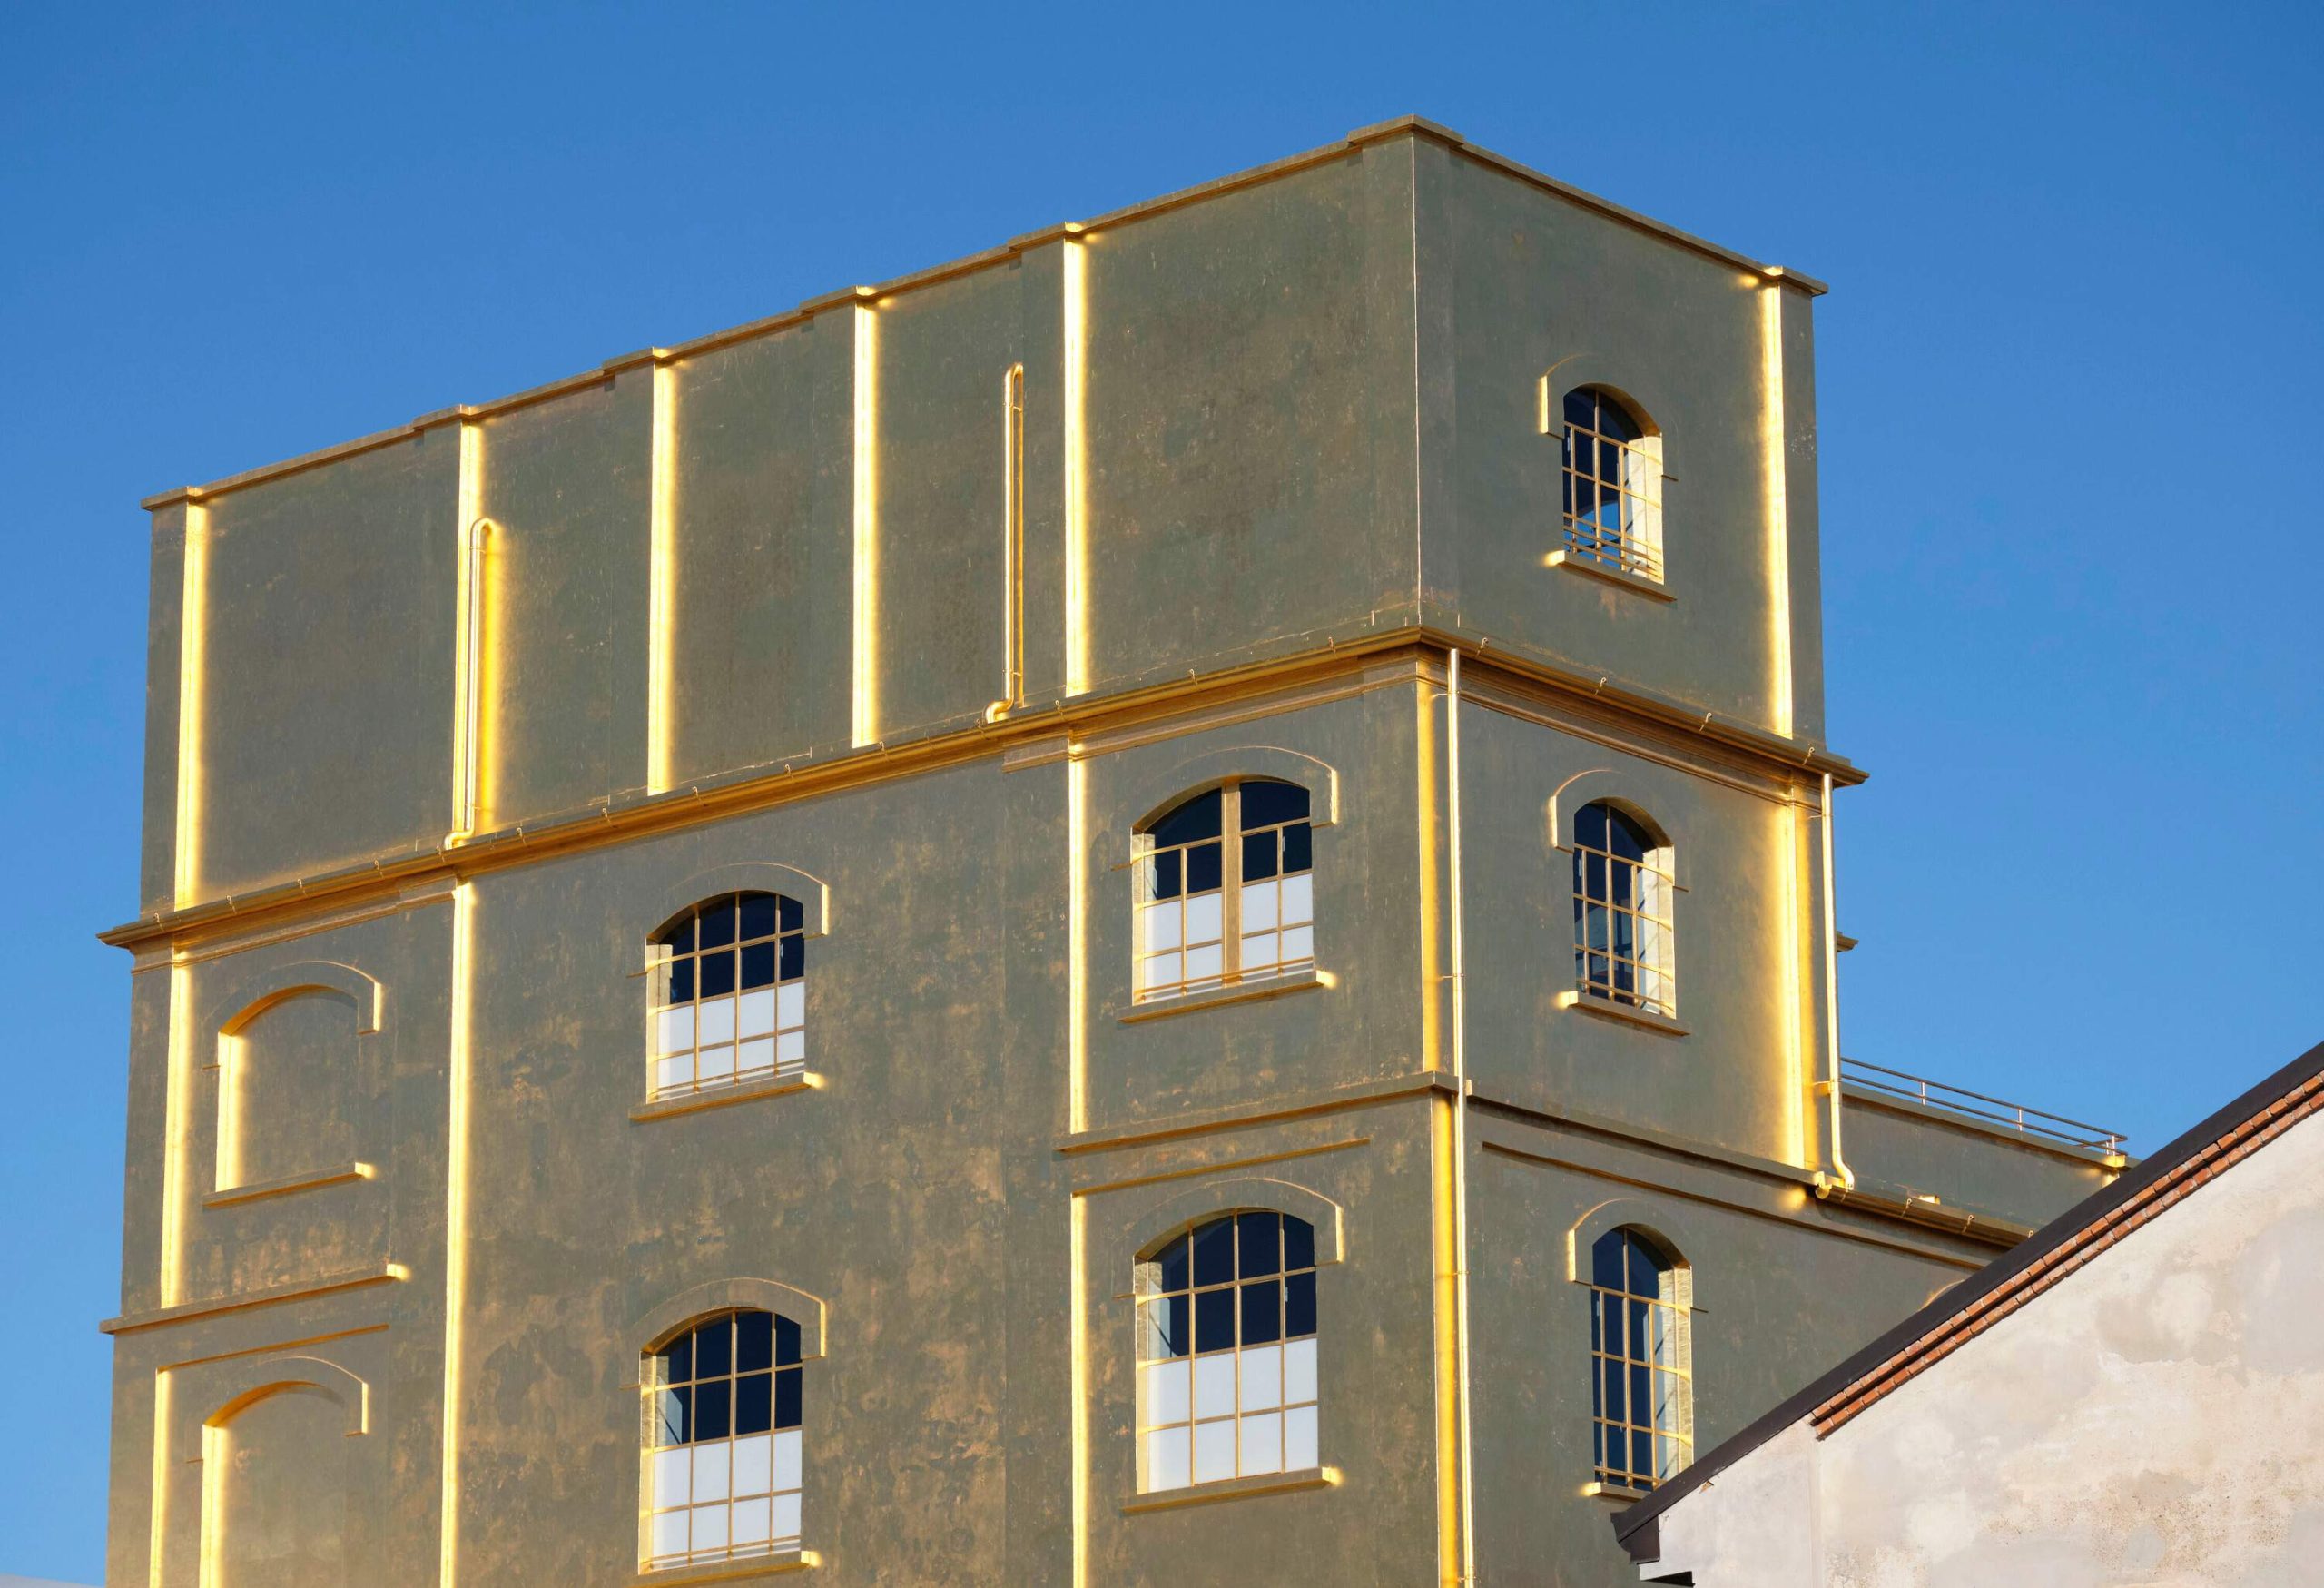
<point x="1226" y="1351"/>
<point x="1641" y="1386"/>
<point x="1211" y="912"/>
<point x="1622" y="939"/>
<point x="722" y="1440"/>
<point x="1613" y="484"/>
<point x="729" y="993"/>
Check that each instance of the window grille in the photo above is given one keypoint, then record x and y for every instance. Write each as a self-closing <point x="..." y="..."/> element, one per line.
<point x="724" y="1440"/>
<point x="730" y="1000"/>
<point x="1613" y="486"/>
<point x="1211" y="912"/>
<point x="1226" y="1352"/>
<point x="1623" y="938"/>
<point x="1641" y="1388"/>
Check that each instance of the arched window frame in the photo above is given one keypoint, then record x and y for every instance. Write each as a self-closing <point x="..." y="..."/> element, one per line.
<point x="1633" y="469"/>
<point x="1265" y="923"/>
<point x="651" y="1338"/>
<point x="802" y="913"/>
<point x="1642" y="889"/>
<point x="1641" y="1348"/>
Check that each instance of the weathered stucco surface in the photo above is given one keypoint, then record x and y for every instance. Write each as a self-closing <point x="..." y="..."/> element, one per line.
<point x="2155" y="1418"/>
<point x="442" y="728"/>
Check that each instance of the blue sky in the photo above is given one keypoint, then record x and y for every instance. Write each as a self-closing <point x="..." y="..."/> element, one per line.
<point x="2070" y="421"/>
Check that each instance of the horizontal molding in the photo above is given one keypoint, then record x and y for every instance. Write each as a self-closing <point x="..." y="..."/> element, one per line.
<point x="266" y="1296"/>
<point x="1574" y="562"/>
<point x="1246" y="1488"/>
<point x="720" y="1097"/>
<point x="1274" y="1110"/>
<point x="284" y="1185"/>
<point x="1615" y="1009"/>
<point x="743" y="1569"/>
<point x="1228" y="993"/>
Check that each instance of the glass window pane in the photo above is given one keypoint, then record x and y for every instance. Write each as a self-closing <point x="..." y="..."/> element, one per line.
<point x="786" y="1398"/>
<point x="712" y="1404"/>
<point x="672" y="1416"/>
<point x="1299" y="1243"/>
<point x="1259" y="856"/>
<point x="1166" y="1327"/>
<point x="711" y="1465"/>
<point x="753" y="1403"/>
<point x="1261" y="1384"/>
<point x="786" y="1341"/>
<point x="672" y="1477"/>
<point x="718" y="923"/>
<point x="1165" y="871"/>
<point x="1267" y="802"/>
<point x="1298" y="900"/>
<point x="1214" y="1451"/>
<point x="713" y="1347"/>
<point x="1214" y="1245"/>
<point x="1299" y="1439"/>
<point x="1169" y="1453"/>
<point x="1205" y="918"/>
<point x="1214" y="1319"/>
<point x="1299" y="1305"/>
<point x="1214" y="1386"/>
<point x="1197" y="818"/>
<point x="792" y="916"/>
<point x="758" y="964"/>
<point x="717" y="974"/>
<point x="1257" y="1243"/>
<point x="677" y="1359"/>
<point x="1297" y="848"/>
<point x="790" y="960"/>
<point x="753" y="1341"/>
<point x="680" y="982"/>
<point x="1202" y="868"/>
<point x="1167" y="1393"/>
<point x="758" y="915"/>
<point x="1261" y="1438"/>
<point x="1262" y="1311"/>
<point x="790" y="1461"/>
<point x="1299" y="1372"/>
<point x="1172" y="1262"/>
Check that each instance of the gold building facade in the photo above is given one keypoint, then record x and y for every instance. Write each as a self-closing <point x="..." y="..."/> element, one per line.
<point x="1153" y="908"/>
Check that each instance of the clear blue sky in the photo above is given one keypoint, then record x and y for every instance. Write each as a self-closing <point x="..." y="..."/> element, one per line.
<point x="2069" y="385"/>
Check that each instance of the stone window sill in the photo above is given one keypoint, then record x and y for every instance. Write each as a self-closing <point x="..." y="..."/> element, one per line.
<point x="744" y="1569"/>
<point x="1232" y="992"/>
<point x="1615" y="1494"/>
<point x="1573" y="561"/>
<point x="1271" y="1482"/>
<point x="695" y="1102"/>
<point x="308" y="1181"/>
<point x="1629" y="1013"/>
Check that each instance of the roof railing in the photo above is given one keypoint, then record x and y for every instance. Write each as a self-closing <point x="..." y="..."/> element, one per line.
<point x="1882" y="1082"/>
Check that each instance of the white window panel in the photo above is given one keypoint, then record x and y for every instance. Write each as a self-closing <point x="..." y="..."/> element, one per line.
<point x="785" y="1525"/>
<point x="1299" y="1439"/>
<point x="1259" y="951"/>
<point x="1161" y="926"/>
<point x="1258" y="906"/>
<point x="672" y="1471"/>
<point x="676" y="1029"/>
<point x="755" y="1055"/>
<point x="715" y="1063"/>
<point x="791" y="1047"/>
<point x="1214" y="1450"/>
<point x="1163" y="970"/>
<point x="1166" y="1391"/>
<point x="1204" y="919"/>
<point x="789" y="1006"/>
<point x="757" y="1014"/>
<point x="1205" y="964"/>
<point x="752" y="1519"/>
<point x="709" y="1527"/>
<point x="1262" y="1443"/>
<point x="1298" y="898"/>
<point x="669" y="1074"/>
<point x="787" y="1459"/>
<point x="1214" y="1386"/>
<point x="710" y="1466"/>
<point x="1261" y="1378"/>
<point x="717" y="1022"/>
<point x="754" y="1457"/>
<point x="1168" y="1454"/>
<point x="1298" y="943"/>
<point x="669" y="1535"/>
<point x="1299" y="1371"/>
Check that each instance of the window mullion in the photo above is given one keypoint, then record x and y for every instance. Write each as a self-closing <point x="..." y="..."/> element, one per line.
<point x="1230" y="878"/>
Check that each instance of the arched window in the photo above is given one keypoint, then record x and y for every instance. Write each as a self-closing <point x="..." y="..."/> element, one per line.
<point x="1211" y="912"/>
<point x="1621" y="911"/>
<point x="722" y="1440"/>
<point x="1226" y="1351"/>
<point x="1613" y="484"/>
<point x="1641" y="1385"/>
<point x="729" y="993"/>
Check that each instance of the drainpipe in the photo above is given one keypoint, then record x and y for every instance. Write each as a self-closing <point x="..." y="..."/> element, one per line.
<point x="1461" y="1127"/>
<point x="1831" y="989"/>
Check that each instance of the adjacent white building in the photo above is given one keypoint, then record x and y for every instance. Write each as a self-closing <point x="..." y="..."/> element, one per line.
<point x="2136" y="1396"/>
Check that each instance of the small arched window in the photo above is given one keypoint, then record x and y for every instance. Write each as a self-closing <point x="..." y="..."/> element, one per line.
<point x="1211" y="912"/>
<point x="1226" y="1351"/>
<point x="1641" y="1385"/>
<point x="1622" y="939"/>
<point x="723" y="1441"/>
<point x="1613" y="484"/>
<point x="729" y="993"/>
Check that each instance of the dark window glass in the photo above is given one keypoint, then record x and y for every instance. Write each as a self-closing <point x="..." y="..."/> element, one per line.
<point x="1298" y="849"/>
<point x="1215" y="1252"/>
<point x="758" y="915"/>
<point x="711" y="1402"/>
<point x="1259" y="851"/>
<point x="795" y="958"/>
<point x="717" y="974"/>
<point x="1298" y="1243"/>
<point x="718" y="924"/>
<point x="677" y="1360"/>
<point x="754" y="1342"/>
<point x="1257" y="1243"/>
<point x="1167" y="870"/>
<point x="713" y="1349"/>
<point x="679" y="938"/>
<point x="786" y="1341"/>
<point x="676" y="1423"/>
<point x="1203" y="868"/>
<point x="680" y="981"/>
<point x="1266" y="803"/>
<point x="1299" y="1304"/>
<point x="1197" y="818"/>
<point x="1262" y="1312"/>
<point x="1214" y="1319"/>
<point x="1173" y="1264"/>
<point x="795" y="917"/>
<point x="753" y="1403"/>
<point x="758" y="965"/>
<point x="786" y="1398"/>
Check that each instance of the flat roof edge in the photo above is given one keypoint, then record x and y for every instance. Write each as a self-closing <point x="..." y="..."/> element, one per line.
<point x="1358" y="139"/>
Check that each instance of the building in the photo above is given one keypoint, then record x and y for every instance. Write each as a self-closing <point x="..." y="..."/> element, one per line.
<point x="1265" y="757"/>
<point x="2134" y="1394"/>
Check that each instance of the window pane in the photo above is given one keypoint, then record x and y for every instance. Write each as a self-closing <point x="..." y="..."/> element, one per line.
<point x="1215" y="1252"/>
<point x="1214" y="1319"/>
<point x="758" y="915"/>
<point x="1299" y="1243"/>
<point x="1258" y="856"/>
<point x="1166" y="1327"/>
<point x="753" y="1341"/>
<point x="753" y="1403"/>
<point x="713" y="1347"/>
<point x="1173" y="1265"/>
<point x="1197" y="818"/>
<point x="711" y="1466"/>
<point x="1299" y="1372"/>
<point x="793" y="917"/>
<point x="718" y="924"/>
<point x="1214" y="1386"/>
<point x="1262" y="1443"/>
<point x="1299" y="1439"/>
<point x="1261" y="1386"/>
<point x="1262" y="1312"/>
<point x="1267" y="802"/>
<point x="1297" y="848"/>
<point x="1165" y="869"/>
<point x="786" y="1341"/>
<point x="789" y="1460"/>
<point x="672" y="1477"/>
<point x="786" y="1398"/>
<point x="1202" y="868"/>
<point x="1299" y="1305"/>
<point x="677" y="1359"/>
<point x="718" y="974"/>
<point x="1258" y="1244"/>
<point x="1166" y="1393"/>
<point x="791" y="961"/>
<point x="1168" y="1458"/>
<point x="712" y="1405"/>
<point x="679" y="939"/>
<point x="681" y="987"/>
<point x="673" y="1422"/>
<point x="1214" y="1451"/>
<point x="758" y="965"/>
<point x="1298" y="900"/>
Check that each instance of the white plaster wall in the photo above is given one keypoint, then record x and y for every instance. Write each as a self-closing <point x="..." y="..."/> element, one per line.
<point x="2156" y="1419"/>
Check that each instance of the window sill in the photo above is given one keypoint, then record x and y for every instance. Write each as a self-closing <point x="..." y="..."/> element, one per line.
<point x="1607" y="1009"/>
<point x="739" y="1570"/>
<point x="1617" y="1493"/>
<point x="1272" y="1483"/>
<point x="1232" y="992"/>
<point x="1654" y="589"/>
<point x="695" y="1102"/>
<point x="233" y="1196"/>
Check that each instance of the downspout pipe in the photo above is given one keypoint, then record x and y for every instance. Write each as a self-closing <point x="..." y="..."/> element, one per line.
<point x="1831" y="992"/>
<point x="1460" y="1120"/>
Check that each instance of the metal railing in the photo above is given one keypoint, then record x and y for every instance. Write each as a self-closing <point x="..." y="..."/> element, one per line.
<point x="1882" y="1082"/>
